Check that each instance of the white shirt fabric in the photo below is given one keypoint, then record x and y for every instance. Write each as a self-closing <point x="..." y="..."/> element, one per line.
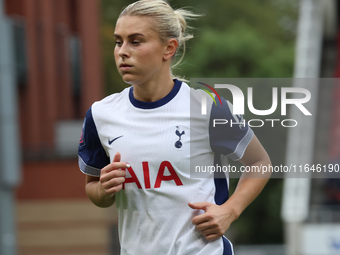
<point x="160" y="140"/>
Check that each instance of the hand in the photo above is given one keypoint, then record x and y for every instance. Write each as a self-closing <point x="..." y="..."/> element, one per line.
<point x="215" y="220"/>
<point x="112" y="177"/>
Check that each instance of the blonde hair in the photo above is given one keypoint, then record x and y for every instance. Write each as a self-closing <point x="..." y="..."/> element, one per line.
<point x="168" y="22"/>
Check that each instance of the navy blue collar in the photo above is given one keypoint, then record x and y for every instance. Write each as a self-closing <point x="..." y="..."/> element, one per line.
<point x="158" y="103"/>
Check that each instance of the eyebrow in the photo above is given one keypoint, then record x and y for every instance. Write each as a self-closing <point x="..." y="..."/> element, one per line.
<point x="132" y="35"/>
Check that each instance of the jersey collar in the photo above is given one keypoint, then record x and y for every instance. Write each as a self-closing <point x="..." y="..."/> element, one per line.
<point x="158" y="103"/>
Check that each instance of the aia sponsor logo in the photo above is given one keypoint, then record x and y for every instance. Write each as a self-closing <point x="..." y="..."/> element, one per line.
<point x="173" y="177"/>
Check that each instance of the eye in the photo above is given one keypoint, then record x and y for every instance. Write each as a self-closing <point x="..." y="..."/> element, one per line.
<point x="135" y="42"/>
<point x="118" y="43"/>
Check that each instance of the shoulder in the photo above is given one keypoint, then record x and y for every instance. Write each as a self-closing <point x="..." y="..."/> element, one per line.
<point x="224" y="110"/>
<point x="229" y="133"/>
<point x="112" y="103"/>
<point x="181" y="88"/>
<point x="112" y="100"/>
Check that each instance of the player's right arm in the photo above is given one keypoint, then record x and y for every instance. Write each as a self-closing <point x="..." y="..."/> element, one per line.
<point x="101" y="190"/>
<point x="103" y="177"/>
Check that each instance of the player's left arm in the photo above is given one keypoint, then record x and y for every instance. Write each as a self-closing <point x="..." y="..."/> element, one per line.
<point x="217" y="218"/>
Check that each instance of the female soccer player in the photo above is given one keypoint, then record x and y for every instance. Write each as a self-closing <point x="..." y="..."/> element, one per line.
<point x="135" y="145"/>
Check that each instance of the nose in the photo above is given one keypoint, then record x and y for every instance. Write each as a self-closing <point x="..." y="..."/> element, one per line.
<point x="123" y="51"/>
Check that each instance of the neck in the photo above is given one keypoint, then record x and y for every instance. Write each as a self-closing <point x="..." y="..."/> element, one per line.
<point x="153" y="90"/>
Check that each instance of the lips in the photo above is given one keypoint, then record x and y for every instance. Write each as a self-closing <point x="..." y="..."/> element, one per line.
<point x="124" y="65"/>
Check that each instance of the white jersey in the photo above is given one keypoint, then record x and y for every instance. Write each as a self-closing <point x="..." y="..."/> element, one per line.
<point x="155" y="139"/>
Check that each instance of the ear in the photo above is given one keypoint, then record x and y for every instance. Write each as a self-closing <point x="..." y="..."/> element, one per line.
<point x="170" y="49"/>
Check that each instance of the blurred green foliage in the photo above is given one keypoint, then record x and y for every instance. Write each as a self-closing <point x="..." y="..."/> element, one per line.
<point x="233" y="38"/>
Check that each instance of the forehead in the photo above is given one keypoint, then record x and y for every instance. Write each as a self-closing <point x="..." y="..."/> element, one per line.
<point x="134" y="25"/>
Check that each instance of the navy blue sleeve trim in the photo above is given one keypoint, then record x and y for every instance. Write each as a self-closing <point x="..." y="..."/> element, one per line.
<point x="227" y="246"/>
<point x="86" y="169"/>
<point x="92" y="156"/>
<point x="233" y="136"/>
<point x="158" y="103"/>
<point x="243" y="144"/>
<point x="221" y="184"/>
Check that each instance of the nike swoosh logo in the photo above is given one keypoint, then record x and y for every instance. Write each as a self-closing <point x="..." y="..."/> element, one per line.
<point x="110" y="142"/>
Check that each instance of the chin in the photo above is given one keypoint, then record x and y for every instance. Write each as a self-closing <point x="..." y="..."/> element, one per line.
<point x="127" y="78"/>
<point x="132" y="79"/>
<point x="128" y="82"/>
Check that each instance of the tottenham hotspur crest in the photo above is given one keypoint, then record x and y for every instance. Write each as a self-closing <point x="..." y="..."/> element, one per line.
<point x="178" y="144"/>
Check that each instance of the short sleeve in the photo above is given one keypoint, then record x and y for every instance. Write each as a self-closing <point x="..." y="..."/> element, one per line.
<point x="229" y="133"/>
<point x="91" y="155"/>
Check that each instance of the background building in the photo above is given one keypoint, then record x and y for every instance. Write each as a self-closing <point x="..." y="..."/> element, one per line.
<point x="58" y="73"/>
